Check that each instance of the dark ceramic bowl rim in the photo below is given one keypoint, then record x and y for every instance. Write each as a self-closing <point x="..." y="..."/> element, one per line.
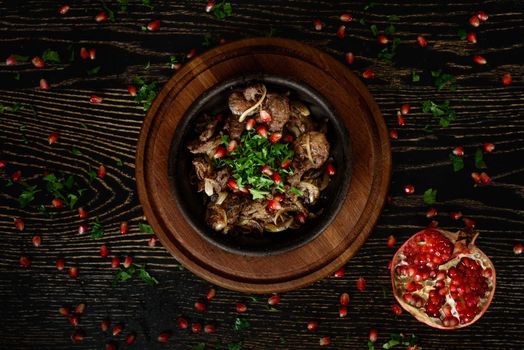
<point x="193" y="112"/>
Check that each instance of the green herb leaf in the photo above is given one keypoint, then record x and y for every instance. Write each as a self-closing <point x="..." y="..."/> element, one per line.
<point x="91" y="174"/>
<point x="51" y="56"/>
<point x="76" y="151"/>
<point x="22" y="128"/>
<point x="462" y="34"/>
<point x="223" y="10"/>
<point x="109" y="12"/>
<point x="442" y="111"/>
<point x="147" y="3"/>
<point x="123" y="275"/>
<point x="374" y="29"/>
<point x="430" y="196"/>
<point x="240" y="324"/>
<point x="145" y="228"/>
<point x="393" y="18"/>
<point x="94" y="71"/>
<point x="257" y="194"/>
<point x="20" y="58"/>
<point x="390" y="29"/>
<point x="371" y="345"/>
<point x="97" y="230"/>
<point x="458" y="162"/>
<point x="391" y="343"/>
<point x="119" y="163"/>
<point x="234" y="346"/>
<point x="123" y="5"/>
<point x="415" y="77"/>
<point x="444" y="80"/>
<point x="146" y="92"/>
<point x="146" y="277"/>
<point x="199" y="346"/>
<point x="17" y="76"/>
<point x="479" y="159"/>
<point x="27" y="195"/>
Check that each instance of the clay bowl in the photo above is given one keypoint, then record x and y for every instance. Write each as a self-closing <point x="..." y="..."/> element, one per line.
<point x="351" y="203"/>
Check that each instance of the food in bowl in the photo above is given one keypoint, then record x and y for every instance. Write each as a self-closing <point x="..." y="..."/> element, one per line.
<point x="262" y="163"/>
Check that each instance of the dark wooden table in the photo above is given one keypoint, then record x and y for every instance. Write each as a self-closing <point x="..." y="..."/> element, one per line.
<point x="106" y="134"/>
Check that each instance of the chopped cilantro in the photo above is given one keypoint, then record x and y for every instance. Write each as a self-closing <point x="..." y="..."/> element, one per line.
<point x="21" y="128"/>
<point x="109" y="12"/>
<point x="94" y="71"/>
<point x="145" y="228"/>
<point x="124" y="274"/>
<point x="444" y="80"/>
<point x="415" y="77"/>
<point x="51" y="56"/>
<point x="199" y="346"/>
<point x="223" y="10"/>
<point x="123" y="5"/>
<point x="240" y="324"/>
<point x="462" y="34"/>
<point x="75" y="151"/>
<point x="458" y="162"/>
<point x="479" y="159"/>
<point x="257" y="194"/>
<point x="234" y="346"/>
<point x="442" y="111"/>
<point x="371" y="345"/>
<point x="64" y="188"/>
<point x="147" y="3"/>
<point x="146" y="92"/>
<point x="430" y="196"/>
<point x="374" y="29"/>
<point x="27" y="195"/>
<point x="97" y="230"/>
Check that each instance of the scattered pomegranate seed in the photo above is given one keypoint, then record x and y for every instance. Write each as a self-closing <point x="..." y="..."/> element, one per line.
<point x="349" y="57"/>
<point x="209" y="329"/>
<point x="274" y="299"/>
<point x="232" y="145"/>
<point x="182" y="323"/>
<point x="262" y="131"/>
<point x="64" y="9"/>
<point x="483" y="16"/>
<point x="80" y="308"/>
<point x="300" y="218"/>
<point x="431" y="213"/>
<point x="164" y="337"/>
<point x="405" y="108"/>
<point x="469" y="223"/>
<point x="325" y="341"/>
<point x="312" y="325"/>
<point x="275" y="137"/>
<point x="433" y="224"/>
<point x="517" y="249"/>
<point x="373" y="335"/>
<point x="330" y="169"/>
<point x="361" y="284"/>
<point x="474" y="21"/>
<point x="191" y="53"/>
<point x="409" y="189"/>
<point x="82" y="229"/>
<point x="38" y="62"/>
<point x="476" y="177"/>
<point x="92" y="53"/>
<point x="64" y="311"/>
<point x="211" y="293"/>
<point x="318" y="24"/>
<point x="16" y="176"/>
<point x="266" y="169"/>
<point x="152" y="241"/>
<point x="104" y="251"/>
<point x="458" y="151"/>
<point x="285" y="164"/>
<point x="210" y="5"/>
<point x="124" y="228"/>
<point x="393" y="134"/>
<point x="392" y="240"/>
<point x="455" y="215"/>
<point x="346" y="17"/>
<point x="101" y="17"/>
<point x="277" y="179"/>
<point x="400" y="119"/>
<point x="84" y="54"/>
<point x="57" y="203"/>
<point x="422" y="42"/>
<point x="488" y="147"/>
<point x="101" y="171"/>
<point x="153" y="26"/>
<point x="344" y="299"/>
<point x="273" y="205"/>
<point x="25" y="261"/>
<point x="10" y="61"/>
<point x="37" y="241"/>
<point x="44" y="85"/>
<point x="220" y="152"/>
<point x="95" y="99"/>
<point x="485" y="179"/>
<point x="279" y="197"/>
<point x="342" y="311"/>
<point x="479" y="59"/>
<point x="340" y="273"/>
<point x="382" y="39"/>
<point x="368" y="74"/>
<point x="130" y="338"/>
<point x="3" y="164"/>
<point x="82" y="213"/>
<point x="471" y="37"/>
<point x="73" y="272"/>
<point x="196" y="327"/>
<point x="128" y="261"/>
<point x="52" y="138"/>
<point x="506" y="79"/>
<point x="232" y="184"/>
<point x="341" y="32"/>
<point x="78" y="336"/>
<point x="241" y="308"/>
<point x="60" y="263"/>
<point x="132" y="90"/>
<point x="104" y="325"/>
<point x="250" y="124"/>
<point x="397" y="310"/>
<point x="200" y="306"/>
<point x="73" y="320"/>
<point x="117" y="329"/>
<point x="19" y="224"/>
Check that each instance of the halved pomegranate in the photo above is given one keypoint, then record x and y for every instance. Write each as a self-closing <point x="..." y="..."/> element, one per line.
<point x="443" y="279"/>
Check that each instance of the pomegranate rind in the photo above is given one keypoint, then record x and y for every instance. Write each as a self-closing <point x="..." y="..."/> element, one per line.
<point x="465" y="251"/>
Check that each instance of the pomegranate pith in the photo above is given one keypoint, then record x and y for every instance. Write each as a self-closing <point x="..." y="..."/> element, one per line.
<point x="443" y="279"/>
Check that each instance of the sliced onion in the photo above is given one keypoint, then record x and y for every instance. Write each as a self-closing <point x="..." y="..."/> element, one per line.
<point x="221" y="197"/>
<point x="208" y="187"/>
<point x="253" y="107"/>
<point x="279" y="228"/>
<point x="308" y="149"/>
<point x="325" y="182"/>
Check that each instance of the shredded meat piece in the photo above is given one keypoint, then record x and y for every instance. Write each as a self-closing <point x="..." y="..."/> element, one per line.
<point x="311" y="152"/>
<point x="278" y="107"/>
<point x="234" y="127"/>
<point x="209" y="146"/>
<point x="209" y="131"/>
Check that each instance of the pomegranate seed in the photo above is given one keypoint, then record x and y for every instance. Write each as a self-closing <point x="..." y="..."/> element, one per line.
<point x="73" y="272"/>
<point x="78" y="336"/>
<point x="392" y="240"/>
<point x="409" y="189"/>
<point x="19" y="224"/>
<point x="164" y="337"/>
<point x="274" y="299"/>
<point x="368" y="74"/>
<point x="312" y="325"/>
<point x="479" y="59"/>
<point x="285" y="164"/>
<point x="340" y="273"/>
<point x="262" y="131"/>
<point x="124" y="228"/>
<point x="209" y="328"/>
<point x="300" y="218"/>
<point x="3" y="164"/>
<point x="37" y="241"/>
<point x="250" y="124"/>
<point x="275" y="137"/>
<point x="342" y="311"/>
<point x="44" y="85"/>
<point x="92" y="53"/>
<point x="191" y="53"/>
<point x="60" y="264"/>
<point x="210" y="5"/>
<point x="241" y="308"/>
<point x="474" y="21"/>
<point x="273" y="205"/>
<point x="52" y="138"/>
<point x="476" y="177"/>
<point x="483" y="16"/>
<point x="506" y="79"/>
<point x="405" y="108"/>
<point x="82" y="213"/>
<point x="344" y="299"/>
<point x="458" y="151"/>
<point x="373" y="335"/>
<point x="25" y="261"/>
<point x="80" y="308"/>
<point x="101" y="171"/>
<point x="232" y="184"/>
<point x="488" y="147"/>
<point x="110" y="345"/>
<point x="104" y="325"/>
<point x="266" y="169"/>
<point x="152" y="241"/>
<point x="431" y="213"/>
<point x="349" y="57"/>
<point x="84" y="54"/>
<point x="277" y="179"/>
<point x="341" y="32"/>
<point x="469" y="223"/>
<point x="82" y="229"/>
<point x="433" y="224"/>
<point x="64" y="9"/>
<point x="182" y="323"/>
<point x="101" y="17"/>
<point x="64" y="311"/>
<point x="95" y="99"/>
<point x="10" y="61"/>
<point x="330" y="169"/>
<point x="455" y="215"/>
<point x="382" y="39"/>
<point x="200" y="306"/>
<point x="422" y="42"/>
<point x="117" y="329"/>
<point x="325" y="341"/>
<point x="196" y="328"/>
<point x="397" y="310"/>
<point x="73" y="320"/>
<point x="400" y="119"/>
<point x="471" y="37"/>
<point x="232" y="145"/>
<point x="132" y="90"/>
<point x="220" y="152"/>
<point x="485" y="179"/>
<point x="104" y="251"/>
<point x="318" y="24"/>
<point x="115" y="262"/>
<point x="393" y="134"/>
<point x="57" y="203"/>
<point x="38" y="62"/>
<point x="211" y="293"/>
<point x="361" y="284"/>
<point x="517" y="249"/>
<point x="346" y="17"/>
<point x="130" y="338"/>
<point x="128" y="261"/>
<point x="153" y="26"/>
<point x="16" y="176"/>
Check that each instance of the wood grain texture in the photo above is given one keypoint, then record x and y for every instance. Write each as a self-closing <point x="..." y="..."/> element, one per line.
<point x="487" y="112"/>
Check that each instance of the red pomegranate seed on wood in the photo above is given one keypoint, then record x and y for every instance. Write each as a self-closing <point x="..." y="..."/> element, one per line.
<point x="117" y="329"/>
<point x="431" y="213"/>
<point x="274" y="299"/>
<point x="60" y="263"/>
<point x="52" y="138"/>
<point x="73" y="272"/>
<point x="130" y="338"/>
<point x="344" y="299"/>
<point x="64" y="9"/>
<point x="209" y="329"/>
<point x="349" y="57"/>
<point x="476" y="177"/>
<point x="393" y="134"/>
<point x="43" y="84"/>
<point x="16" y="176"/>
<point x="57" y="203"/>
<point x="392" y="240"/>
<point x="211" y="293"/>
<point x="506" y="79"/>
<point x="340" y="273"/>
<point x="128" y="261"/>
<point x="19" y="224"/>
<point x="82" y="213"/>
<point x="397" y="310"/>
<point x="64" y="310"/>
<point x="488" y="147"/>
<point x="361" y="284"/>
<point x="478" y="59"/>
<point x="318" y="25"/>
<point x="455" y="215"/>
<point x="312" y="325"/>
<point x="38" y="62"/>
<point x="409" y="189"/>
<point x="471" y="37"/>
<point x="131" y="89"/>
<point x="73" y="320"/>
<point x="124" y="228"/>
<point x="483" y="16"/>
<point x="94" y="99"/>
<point x="382" y="39"/>
<point x="324" y="341"/>
<point x="104" y="325"/>
<point x="342" y="311"/>
<point x="405" y="108"/>
<point x="200" y="306"/>
<point x="485" y="179"/>
<point x="330" y="169"/>
<point x="341" y="32"/>
<point x="469" y="223"/>
<point x="101" y="17"/>
<point x="196" y="328"/>
<point x="517" y="249"/>
<point x="474" y="21"/>
<point x="152" y="241"/>
<point x="104" y="251"/>
<point x="373" y="335"/>
<point x="368" y="74"/>
<point x="164" y="337"/>
<point x="153" y="26"/>
<point x="10" y="60"/>
<point x="191" y="53"/>
<point x="25" y="261"/>
<point x="92" y="53"/>
<point x="210" y="5"/>
<point x="78" y="336"/>
<point x="82" y="229"/>
<point x="346" y="17"/>
<point x="101" y="171"/>
<point x="241" y="308"/>
<point x="182" y="323"/>
<point x="80" y="308"/>
<point x="458" y="151"/>
<point x="84" y="54"/>
<point x="422" y="42"/>
<point x="36" y="240"/>
<point x="400" y="119"/>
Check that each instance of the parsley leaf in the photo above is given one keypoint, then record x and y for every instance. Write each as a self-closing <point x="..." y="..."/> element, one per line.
<point x="257" y="194"/>
<point x="123" y="5"/>
<point x="199" y="346"/>
<point x="240" y="324"/>
<point x="27" y="195"/>
<point x="223" y="10"/>
<point x="479" y="159"/>
<point x="374" y="29"/>
<point x="371" y="345"/>
<point x="146" y="92"/>
<point x="51" y="56"/>
<point x="458" y="162"/>
<point x="234" y="346"/>
<point x="97" y="230"/>
<point x="430" y="196"/>
<point x="444" y="80"/>
<point x="20" y="58"/>
<point x="145" y="228"/>
<point x="124" y="274"/>
<point x="442" y="111"/>
<point x="146" y="277"/>
<point x="415" y="77"/>
<point x="94" y="71"/>
<point x="76" y="151"/>
<point x="462" y="34"/>
<point x="109" y="12"/>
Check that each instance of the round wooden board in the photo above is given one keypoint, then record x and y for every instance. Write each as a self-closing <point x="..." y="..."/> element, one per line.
<point x="371" y="165"/>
